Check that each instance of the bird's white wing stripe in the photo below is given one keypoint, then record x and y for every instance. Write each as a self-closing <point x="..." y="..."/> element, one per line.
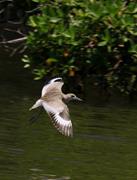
<point x="64" y="126"/>
<point x="61" y="121"/>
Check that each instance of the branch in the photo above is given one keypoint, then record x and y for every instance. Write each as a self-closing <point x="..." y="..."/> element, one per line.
<point x="1" y="11"/>
<point x="14" y="41"/>
<point x="33" y="10"/>
<point x="114" y="68"/>
<point x="13" y="22"/>
<point x="6" y="1"/>
<point x="18" y="31"/>
<point x="15" y="50"/>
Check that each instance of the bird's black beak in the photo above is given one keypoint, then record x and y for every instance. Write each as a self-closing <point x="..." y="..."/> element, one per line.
<point x="77" y="99"/>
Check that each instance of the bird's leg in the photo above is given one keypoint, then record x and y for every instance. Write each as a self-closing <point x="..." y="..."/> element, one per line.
<point x="35" y="117"/>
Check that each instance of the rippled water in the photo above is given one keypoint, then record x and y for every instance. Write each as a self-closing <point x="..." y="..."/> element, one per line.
<point x="104" y="146"/>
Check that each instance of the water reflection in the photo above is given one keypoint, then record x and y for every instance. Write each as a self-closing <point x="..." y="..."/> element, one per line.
<point x="38" y="174"/>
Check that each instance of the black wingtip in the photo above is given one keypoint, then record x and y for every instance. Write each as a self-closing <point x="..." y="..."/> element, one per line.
<point x="48" y="79"/>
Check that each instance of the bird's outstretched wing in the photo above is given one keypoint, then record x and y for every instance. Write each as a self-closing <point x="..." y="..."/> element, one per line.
<point x="54" y="86"/>
<point x="59" y="114"/>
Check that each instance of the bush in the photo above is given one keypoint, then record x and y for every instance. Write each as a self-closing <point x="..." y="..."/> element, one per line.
<point x="83" y="39"/>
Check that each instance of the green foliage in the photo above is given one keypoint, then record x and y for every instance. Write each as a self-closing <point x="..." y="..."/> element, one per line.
<point x="85" y="38"/>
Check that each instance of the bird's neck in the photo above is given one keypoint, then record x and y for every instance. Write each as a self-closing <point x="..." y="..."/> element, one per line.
<point x="66" y="98"/>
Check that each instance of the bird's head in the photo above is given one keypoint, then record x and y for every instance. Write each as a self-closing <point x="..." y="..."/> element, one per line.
<point x="72" y="97"/>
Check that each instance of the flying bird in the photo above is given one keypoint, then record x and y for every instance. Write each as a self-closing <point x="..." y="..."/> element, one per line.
<point x="54" y="101"/>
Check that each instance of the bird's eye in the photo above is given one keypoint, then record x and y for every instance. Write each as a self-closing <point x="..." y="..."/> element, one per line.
<point x="73" y="96"/>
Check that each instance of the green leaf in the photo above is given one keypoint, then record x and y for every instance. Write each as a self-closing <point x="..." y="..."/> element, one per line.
<point x="32" y="21"/>
<point x="26" y="65"/>
<point x="66" y="34"/>
<point x="50" y="60"/>
<point x="35" y="1"/>
<point x="102" y="43"/>
<point x="54" y="19"/>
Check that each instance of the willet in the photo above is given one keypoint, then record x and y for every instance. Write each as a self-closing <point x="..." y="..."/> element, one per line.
<point x="53" y="100"/>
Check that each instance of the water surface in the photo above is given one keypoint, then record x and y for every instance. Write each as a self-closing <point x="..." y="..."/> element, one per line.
<point x="104" y="146"/>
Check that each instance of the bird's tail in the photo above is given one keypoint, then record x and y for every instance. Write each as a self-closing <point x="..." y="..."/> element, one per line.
<point x="36" y="105"/>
